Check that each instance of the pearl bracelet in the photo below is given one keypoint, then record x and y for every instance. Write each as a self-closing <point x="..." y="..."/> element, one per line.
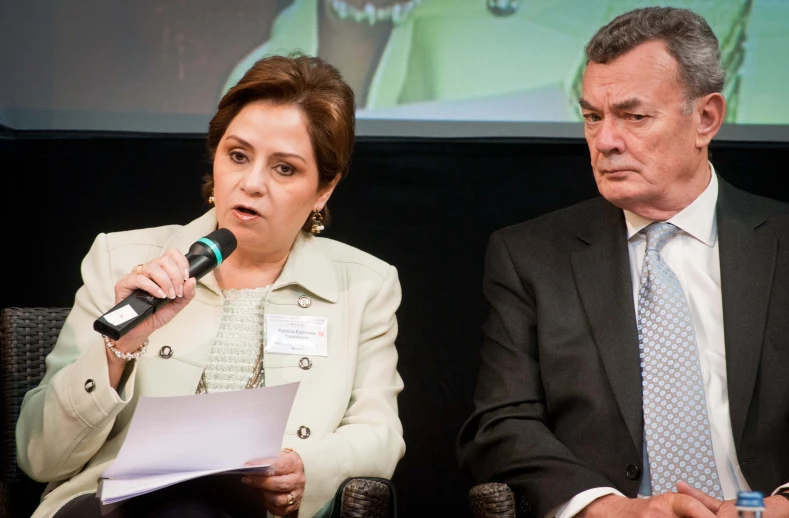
<point x="109" y="343"/>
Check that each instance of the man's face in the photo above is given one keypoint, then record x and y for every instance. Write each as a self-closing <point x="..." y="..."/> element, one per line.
<point x="643" y="144"/>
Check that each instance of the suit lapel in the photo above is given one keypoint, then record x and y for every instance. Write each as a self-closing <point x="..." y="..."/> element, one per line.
<point x="602" y="276"/>
<point x="748" y="253"/>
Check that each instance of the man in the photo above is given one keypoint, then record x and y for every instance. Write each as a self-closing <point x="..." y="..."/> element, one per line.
<point x="637" y="343"/>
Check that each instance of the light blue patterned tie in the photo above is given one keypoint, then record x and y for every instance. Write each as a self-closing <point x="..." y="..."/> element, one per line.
<point x="677" y="429"/>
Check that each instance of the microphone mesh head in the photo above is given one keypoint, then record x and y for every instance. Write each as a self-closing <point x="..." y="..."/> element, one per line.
<point x="224" y="239"/>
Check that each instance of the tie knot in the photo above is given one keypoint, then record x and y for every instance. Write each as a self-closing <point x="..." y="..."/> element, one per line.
<point x="658" y="234"/>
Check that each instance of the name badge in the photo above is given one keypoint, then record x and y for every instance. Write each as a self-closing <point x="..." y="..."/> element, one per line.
<point x="297" y="334"/>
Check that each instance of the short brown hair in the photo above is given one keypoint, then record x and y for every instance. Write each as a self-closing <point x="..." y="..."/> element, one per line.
<point x="688" y="38"/>
<point x="313" y="86"/>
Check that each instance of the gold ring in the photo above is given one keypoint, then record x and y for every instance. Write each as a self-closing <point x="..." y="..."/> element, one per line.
<point x="138" y="269"/>
<point x="291" y="500"/>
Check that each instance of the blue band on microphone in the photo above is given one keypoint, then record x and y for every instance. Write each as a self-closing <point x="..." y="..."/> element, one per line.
<point x="210" y="244"/>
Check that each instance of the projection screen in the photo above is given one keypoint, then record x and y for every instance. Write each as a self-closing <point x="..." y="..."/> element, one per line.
<point x="447" y="68"/>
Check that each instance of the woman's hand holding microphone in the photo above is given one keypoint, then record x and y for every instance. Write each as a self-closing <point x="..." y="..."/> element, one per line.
<point x="164" y="277"/>
<point x="159" y="289"/>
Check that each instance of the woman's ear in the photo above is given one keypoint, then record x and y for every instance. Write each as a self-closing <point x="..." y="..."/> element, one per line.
<point x="326" y="192"/>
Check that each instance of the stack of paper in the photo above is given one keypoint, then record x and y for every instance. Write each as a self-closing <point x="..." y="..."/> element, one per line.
<point x="174" y="439"/>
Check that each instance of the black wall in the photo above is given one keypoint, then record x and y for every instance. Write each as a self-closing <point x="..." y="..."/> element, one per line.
<point x="426" y="206"/>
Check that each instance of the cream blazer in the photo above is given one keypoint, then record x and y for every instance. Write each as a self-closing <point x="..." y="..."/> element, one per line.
<point x="68" y="436"/>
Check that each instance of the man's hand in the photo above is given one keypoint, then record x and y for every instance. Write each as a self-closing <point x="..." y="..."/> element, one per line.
<point x="775" y="506"/>
<point x="667" y="505"/>
<point x="713" y="504"/>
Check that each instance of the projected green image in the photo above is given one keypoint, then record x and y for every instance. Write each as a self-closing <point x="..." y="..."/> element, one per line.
<point x="516" y="60"/>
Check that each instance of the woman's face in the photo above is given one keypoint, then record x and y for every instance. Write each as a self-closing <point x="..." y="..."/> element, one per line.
<point x="266" y="177"/>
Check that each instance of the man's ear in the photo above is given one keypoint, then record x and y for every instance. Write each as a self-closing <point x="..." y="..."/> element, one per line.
<point x="711" y="110"/>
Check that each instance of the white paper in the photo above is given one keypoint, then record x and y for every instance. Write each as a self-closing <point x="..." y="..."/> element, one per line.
<point x="297" y="334"/>
<point x="116" y="490"/>
<point x="172" y="439"/>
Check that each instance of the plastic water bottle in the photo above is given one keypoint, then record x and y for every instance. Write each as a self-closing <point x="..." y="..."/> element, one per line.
<point x="750" y="504"/>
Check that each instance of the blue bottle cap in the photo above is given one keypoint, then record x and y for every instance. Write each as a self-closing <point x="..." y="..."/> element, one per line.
<point x="750" y="500"/>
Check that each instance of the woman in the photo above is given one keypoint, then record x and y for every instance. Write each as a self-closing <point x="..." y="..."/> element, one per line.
<point x="280" y="141"/>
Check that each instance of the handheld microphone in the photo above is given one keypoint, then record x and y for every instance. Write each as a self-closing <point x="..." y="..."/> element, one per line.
<point x="204" y="255"/>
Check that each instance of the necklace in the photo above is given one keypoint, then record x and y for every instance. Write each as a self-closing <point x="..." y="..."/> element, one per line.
<point x="258" y="300"/>
<point x="398" y="12"/>
<point x="254" y="380"/>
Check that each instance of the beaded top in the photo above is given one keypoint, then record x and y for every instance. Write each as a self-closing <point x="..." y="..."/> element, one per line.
<point x="239" y="342"/>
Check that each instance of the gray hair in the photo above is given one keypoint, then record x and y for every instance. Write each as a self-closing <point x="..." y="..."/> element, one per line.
<point x="687" y="36"/>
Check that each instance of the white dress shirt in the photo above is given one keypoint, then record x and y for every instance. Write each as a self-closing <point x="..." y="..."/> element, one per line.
<point x="693" y="256"/>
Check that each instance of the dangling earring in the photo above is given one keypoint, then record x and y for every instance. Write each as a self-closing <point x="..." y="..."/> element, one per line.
<point x="211" y="198"/>
<point x="317" y="223"/>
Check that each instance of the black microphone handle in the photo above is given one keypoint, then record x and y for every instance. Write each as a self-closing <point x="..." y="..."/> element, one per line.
<point x="199" y="265"/>
<point x="144" y="304"/>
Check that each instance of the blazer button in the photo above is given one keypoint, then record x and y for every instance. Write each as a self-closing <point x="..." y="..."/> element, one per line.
<point x="633" y="472"/>
<point x="90" y="386"/>
<point x="166" y="352"/>
<point x="303" y="432"/>
<point x="304" y="301"/>
<point x="305" y="363"/>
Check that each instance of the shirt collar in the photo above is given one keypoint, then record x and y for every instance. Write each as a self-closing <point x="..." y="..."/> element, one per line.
<point x="309" y="263"/>
<point x="697" y="219"/>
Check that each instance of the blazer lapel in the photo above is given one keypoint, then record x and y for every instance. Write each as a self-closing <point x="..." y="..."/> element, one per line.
<point x="748" y="253"/>
<point x="309" y="265"/>
<point x="602" y="276"/>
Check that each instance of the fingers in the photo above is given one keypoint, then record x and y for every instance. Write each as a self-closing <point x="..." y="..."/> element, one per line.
<point x="283" y="500"/>
<point x="182" y="263"/>
<point x="163" y="277"/>
<point x="282" y="485"/>
<point x="261" y="462"/>
<point x="276" y="484"/>
<point x="281" y="494"/>
<point x="288" y="462"/>
<point x="281" y="504"/>
<point x="709" y="502"/>
<point x="146" y="283"/>
<point x="190" y="288"/>
<point x="177" y="266"/>
<point x="686" y="506"/>
<point x="166" y="274"/>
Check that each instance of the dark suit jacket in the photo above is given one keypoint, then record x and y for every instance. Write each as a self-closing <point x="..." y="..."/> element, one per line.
<point x="558" y="399"/>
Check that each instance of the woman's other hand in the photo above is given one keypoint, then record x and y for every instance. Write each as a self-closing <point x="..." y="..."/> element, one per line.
<point x="282" y="485"/>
